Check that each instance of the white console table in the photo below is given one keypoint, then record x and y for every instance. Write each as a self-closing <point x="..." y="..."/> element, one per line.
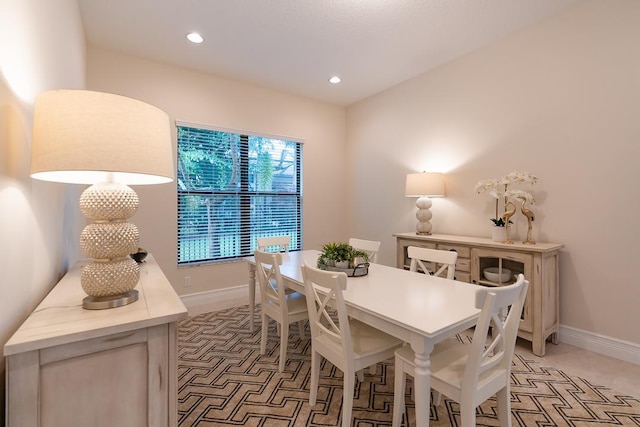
<point x="67" y="366"/>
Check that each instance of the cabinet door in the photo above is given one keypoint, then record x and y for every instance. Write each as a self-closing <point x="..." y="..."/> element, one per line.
<point x="502" y="260"/>
<point x="117" y="380"/>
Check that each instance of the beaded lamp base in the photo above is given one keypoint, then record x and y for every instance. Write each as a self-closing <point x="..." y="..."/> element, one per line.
<point x="110" y="278"/>
<point x="423" y="215"/>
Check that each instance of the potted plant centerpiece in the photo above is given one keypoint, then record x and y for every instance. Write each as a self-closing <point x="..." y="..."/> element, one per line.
<point x="342" y="256"/>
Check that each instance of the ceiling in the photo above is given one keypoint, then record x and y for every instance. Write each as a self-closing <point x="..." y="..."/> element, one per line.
<point x="296" y="45"/>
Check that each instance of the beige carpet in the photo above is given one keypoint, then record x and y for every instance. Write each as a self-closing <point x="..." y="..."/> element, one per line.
<point x="224" y="381"/>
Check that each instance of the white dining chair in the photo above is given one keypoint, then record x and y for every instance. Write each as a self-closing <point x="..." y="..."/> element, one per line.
<point x="279" y="243"/>
<point x="269" y="244"/>
<point x="427" y="260"/>
<point x="370" y="247"/>
<point x="348" y="344"/>
<point x="470" y="374"/>
<point x="278" y="304"/>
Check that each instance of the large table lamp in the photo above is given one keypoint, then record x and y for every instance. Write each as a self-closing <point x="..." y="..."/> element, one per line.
<point x="109" y="141"/>
<point x="424" y="185"/>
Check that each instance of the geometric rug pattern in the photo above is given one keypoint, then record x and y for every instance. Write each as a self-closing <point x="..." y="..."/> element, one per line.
<point x="224" y="381"/>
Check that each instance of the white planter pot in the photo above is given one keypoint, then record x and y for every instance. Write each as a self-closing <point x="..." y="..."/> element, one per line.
<point x="499" y="234"/>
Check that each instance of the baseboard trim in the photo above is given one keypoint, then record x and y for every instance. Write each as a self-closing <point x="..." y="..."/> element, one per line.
<point x="219" y="299"/>
<point x="618" y="349"/>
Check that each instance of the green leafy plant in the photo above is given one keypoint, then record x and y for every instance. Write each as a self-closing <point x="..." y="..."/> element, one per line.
<point x="499" y="222"/>
<point x="339" y="252"/>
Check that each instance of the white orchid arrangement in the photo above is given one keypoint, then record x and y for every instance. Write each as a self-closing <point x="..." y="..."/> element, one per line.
<point x="498" y="188"/>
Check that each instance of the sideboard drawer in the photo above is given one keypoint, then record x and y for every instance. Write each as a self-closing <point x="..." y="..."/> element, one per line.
<point x="463" y="264"/>
<point x="462" y="276"/>
<point x="463" y="251"/>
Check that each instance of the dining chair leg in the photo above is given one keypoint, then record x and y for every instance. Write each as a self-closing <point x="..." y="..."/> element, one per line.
<point x="301" y="329"/>
<point x="252" y="298"/>
<point x="315" y="376"/>
<point x="284" y="343"/>
<point x="347" y="399"/>
<point x="504" y="406"/>
<point x="360" y="375"/>
<point x="400" y="382"/>
<point x="467" y="414"/>
<point x="263" y="336"/>
<point x="437" y="397"/>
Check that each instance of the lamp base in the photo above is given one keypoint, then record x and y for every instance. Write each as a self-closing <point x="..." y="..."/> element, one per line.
<point x="423" y="215"/>
<point x="111" y="301"/>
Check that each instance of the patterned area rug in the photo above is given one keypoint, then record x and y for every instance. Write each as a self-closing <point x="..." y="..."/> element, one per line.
<point x="224" y="381"/>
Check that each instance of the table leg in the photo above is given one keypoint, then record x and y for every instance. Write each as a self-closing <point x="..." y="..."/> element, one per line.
<point x="422" y="382"/>
<point x="252" y="295"/>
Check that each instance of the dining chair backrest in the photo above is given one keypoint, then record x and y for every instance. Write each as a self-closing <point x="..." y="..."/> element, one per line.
<point x="501" y="310"/>
<point x="272" y="289"/>
<point x="427" y="260"/>
<point x="279" y="243"/>
<point x="328" y="318"/>
<point x="370" y="247"/>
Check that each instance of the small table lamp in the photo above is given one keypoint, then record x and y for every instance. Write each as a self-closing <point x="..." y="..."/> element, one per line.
<point x="84" y="137"/>
<point x="424" y="185"/>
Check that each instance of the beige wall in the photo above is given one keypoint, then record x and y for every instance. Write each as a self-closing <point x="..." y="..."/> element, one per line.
<point x="561" y="100"/>
<point x="199" y="98"/>
<point x="41" y="47"/>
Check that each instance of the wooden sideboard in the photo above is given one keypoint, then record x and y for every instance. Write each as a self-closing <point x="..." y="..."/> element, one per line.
<point x="539" y="263"/>
<point x="67" y="366"/>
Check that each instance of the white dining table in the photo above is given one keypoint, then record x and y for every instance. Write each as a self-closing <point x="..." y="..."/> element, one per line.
<point x="416" y="308"/>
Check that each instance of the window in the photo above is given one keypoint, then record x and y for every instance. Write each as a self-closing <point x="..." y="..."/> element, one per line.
<point x="232" y="189"/>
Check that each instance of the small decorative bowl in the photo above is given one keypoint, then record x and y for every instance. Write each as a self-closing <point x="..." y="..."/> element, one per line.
<point x="492" y="274"/>
<point x="139" y="256"/>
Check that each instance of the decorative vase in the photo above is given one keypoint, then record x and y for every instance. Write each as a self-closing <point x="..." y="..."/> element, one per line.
<point x="499" y="234"/>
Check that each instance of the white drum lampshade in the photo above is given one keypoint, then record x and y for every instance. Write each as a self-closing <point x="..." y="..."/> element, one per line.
<point x="424" y="185"/>
<point x="109" y="141"/>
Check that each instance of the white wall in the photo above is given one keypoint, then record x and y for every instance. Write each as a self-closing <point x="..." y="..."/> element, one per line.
<point x="41" y="47"/>
<point x="199" y="98"/>
<point x="561" y="100"/>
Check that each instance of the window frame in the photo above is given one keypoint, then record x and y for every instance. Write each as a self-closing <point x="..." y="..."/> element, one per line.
<point x="248" y="235"/>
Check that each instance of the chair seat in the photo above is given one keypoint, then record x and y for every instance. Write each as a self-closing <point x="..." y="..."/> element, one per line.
<point x="368" y="340"/>
<point x="447" y="359"/>
<point x="296" y="303"/>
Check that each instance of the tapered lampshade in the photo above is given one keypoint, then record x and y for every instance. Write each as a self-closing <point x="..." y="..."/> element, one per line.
<point x="85" y="137"/>
<point x="80" y="137"/>
<point x="424" y="185"/>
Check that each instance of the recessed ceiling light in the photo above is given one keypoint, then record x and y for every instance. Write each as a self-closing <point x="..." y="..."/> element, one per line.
<point x="335" y="79"/>
<point x="195" y="38"/>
